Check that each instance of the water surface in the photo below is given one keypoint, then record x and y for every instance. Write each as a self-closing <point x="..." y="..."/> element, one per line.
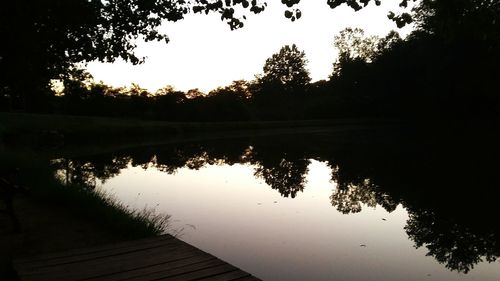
<point x="323" y="207"/>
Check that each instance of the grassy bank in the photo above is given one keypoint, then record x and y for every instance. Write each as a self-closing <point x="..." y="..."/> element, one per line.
<point x="53" y="216"/>
<point x="42" y="129"/>
<point x="40" y="184"/>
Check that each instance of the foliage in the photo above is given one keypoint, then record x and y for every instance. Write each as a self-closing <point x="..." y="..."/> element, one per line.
<point x="286" y="70"/>
<point x="455" y="246"/>
<point x="355" y="51"/>
<point x="286" y="176"/>
<point x="43" y="40"/>
<point x="353" y="44"/>
<point x="238" y="88"/>
<point x="448" y="65"/>
<point x="194" y="94"/>
<point x="81" y="200"/>
<point x="476" y="20"/>
<point x="445" y="67"/>
<point x="356" y="48"/>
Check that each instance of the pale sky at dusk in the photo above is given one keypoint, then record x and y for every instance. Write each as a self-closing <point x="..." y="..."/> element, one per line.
<point x="204" y="53"/>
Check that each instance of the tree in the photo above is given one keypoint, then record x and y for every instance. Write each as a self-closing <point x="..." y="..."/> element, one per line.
<point x="354" y="44"/>
<point x="194" y="93"/>
<point x="41" y="40"/>
<point x="238" y="89"/>
<point x="357" y="51"/>
<point x="387" y="43"/>
<point x="452" y="244"/>
<point x="354" y="49"/>
<point x="286" y="70"/>
<point x="477" y="20"/>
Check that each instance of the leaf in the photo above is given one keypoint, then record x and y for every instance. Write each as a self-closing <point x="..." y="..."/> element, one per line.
<point x="298" y="14"/>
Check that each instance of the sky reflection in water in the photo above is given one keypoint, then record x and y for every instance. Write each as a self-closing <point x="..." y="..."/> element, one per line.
<point x="227" y="211"/>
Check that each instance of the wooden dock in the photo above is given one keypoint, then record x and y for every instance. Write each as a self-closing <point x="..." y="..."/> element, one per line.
<point x="159" y="258"/>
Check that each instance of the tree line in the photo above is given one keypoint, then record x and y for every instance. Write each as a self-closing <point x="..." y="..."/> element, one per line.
<point x="446" y="67"/>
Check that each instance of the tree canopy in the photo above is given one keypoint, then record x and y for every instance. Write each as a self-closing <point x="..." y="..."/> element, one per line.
<point x="43" y="39"/>
<point x="286" y="70"/>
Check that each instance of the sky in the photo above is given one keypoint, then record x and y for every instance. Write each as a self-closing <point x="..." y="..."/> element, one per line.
<point x="204" y="53"/>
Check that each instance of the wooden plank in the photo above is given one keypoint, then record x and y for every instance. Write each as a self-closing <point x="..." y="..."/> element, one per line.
<point x="156" y="268"/>
<point x="181" y="271"/>
<point x="114" y="264"/>
<point x="160" y="258"/>
<point x="94" y="249"/>
<point x="248" y="278"/>
<point x="203" y="273"/>
<point x="99" y="254"/>
<point x="104" y="259"/>
<point x="233" y="275"/>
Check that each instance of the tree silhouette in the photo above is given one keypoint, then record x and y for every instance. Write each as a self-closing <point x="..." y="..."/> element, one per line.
<point x="43" y="39"/>
<point x="286" y="176"/>
<point x="238" y="89"/>
<point x="456" y="246"/>
<point x="85" y="171"/>
<point x="354" y="49"/>
<point x="476" y="19"/>
<point x="286" y="70"/>
<point x="194" y="94"/>
<point x="353" y="190"/>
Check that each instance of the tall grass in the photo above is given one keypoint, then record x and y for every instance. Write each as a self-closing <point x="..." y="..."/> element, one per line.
<point x="82" y="201"/>
<point x="104" y="210"/>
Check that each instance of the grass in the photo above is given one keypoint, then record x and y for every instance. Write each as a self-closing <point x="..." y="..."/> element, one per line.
<point x="82" y="201"/>
<point x="55" y="217"/>
<point x="19" y="127"/>
<point x="75" y="128"/>
<point x="104" y="210"/>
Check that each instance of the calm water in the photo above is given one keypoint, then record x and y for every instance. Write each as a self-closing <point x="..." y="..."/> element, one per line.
<point x="320" y="207"/>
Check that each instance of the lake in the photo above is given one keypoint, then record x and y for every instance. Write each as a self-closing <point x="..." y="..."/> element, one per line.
<point x="324" y="206"/>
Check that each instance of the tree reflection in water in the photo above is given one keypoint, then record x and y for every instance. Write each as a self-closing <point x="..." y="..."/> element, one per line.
<point x="456" y="246"/>
<point x="367" y="174"/>
<point x="286" y="176"/>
